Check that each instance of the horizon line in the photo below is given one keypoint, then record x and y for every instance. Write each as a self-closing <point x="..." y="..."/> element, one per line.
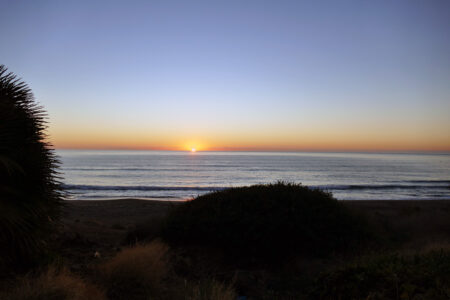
<point x="398" y="151"/>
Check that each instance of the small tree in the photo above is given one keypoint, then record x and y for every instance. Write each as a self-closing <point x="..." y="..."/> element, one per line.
<point x="30" y="194"/>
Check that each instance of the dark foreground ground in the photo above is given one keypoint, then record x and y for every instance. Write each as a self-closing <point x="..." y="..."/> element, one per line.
<point x="96" y="229"/>
<point x="101" y="226"/>
<point x="109" y="249"/>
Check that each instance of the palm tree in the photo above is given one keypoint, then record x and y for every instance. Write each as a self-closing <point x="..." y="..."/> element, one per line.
<point x="30" y="193"/>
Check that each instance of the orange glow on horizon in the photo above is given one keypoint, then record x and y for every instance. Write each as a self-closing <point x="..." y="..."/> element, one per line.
<point x="326" y="140"/>
<point x="328" y="146"/>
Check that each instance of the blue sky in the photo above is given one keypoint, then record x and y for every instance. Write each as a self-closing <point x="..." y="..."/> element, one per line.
<point x="287" y="75"/>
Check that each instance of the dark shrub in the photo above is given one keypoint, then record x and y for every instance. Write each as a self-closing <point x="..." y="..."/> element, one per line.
<point x="420" y="276"/>
<point x="30" y="196"/>
<point x="272" y="221"/>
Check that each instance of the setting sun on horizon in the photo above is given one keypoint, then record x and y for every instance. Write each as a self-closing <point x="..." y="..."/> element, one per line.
<point x="289" y="76"/>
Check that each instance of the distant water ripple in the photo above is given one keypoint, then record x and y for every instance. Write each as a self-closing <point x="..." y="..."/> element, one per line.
<point x="180" y="175"/>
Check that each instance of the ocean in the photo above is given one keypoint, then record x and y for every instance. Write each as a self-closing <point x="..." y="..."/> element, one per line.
<point x="88" y="174"/>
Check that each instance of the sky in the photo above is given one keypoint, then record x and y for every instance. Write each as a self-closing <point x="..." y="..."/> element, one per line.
<point x="235" y="75"/>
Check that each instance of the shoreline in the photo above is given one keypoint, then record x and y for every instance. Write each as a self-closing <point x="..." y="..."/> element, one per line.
<point x="131" y="198"/>
<point x="181" y="200"/>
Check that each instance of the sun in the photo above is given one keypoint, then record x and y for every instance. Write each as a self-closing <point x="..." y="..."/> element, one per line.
<point x="193" y="150"/>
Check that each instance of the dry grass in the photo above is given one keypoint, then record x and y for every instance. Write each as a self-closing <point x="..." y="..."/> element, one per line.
<point x="423" y="275"/>
<point x="437" y="246"/>
<point x="53" y="284"/>
<point x="137" y="272"/>
<point x="211" y="290"/>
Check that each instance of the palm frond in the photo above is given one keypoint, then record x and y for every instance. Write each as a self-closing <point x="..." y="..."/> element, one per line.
<point x="30" y="193"/>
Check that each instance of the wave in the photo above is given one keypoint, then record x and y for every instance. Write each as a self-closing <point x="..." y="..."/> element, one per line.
<point x="430" y="181"/>
<point x="151" y="168"/>
<point x="218" y="188"/>
<point x="140" y="188"/>
<point x="379" y="187"/>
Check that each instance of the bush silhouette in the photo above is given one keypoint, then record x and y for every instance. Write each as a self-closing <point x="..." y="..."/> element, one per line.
<point x="271" y="222"/>
<point x="30" y="195"/>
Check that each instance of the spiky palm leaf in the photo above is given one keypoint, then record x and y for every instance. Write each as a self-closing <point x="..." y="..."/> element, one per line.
<point x="30" y="194"/>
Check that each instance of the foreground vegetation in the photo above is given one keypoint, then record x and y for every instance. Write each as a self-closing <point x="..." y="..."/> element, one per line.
<point x="145" y="272"/>
<point x="51" y="284"/>
<point x="394" y="276"/>
<point x="267" y="223"/>
<point x="30" y="195"/>
<point x="154" y="263"/>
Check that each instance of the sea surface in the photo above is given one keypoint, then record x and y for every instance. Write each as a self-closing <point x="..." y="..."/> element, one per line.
<point x="180" y="175"/>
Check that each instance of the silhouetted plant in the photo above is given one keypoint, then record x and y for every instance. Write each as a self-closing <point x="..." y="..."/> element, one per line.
<point x="267" y="223"/>
<point x="30" y="194"/>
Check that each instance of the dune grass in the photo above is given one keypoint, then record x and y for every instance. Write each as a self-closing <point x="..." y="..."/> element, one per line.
<point x="137" y="272"/>
<point x="53" y="284"/>
<point x="423" y="275"/>
<point x="209" y="289"/>
<point x="143" y="271"/>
